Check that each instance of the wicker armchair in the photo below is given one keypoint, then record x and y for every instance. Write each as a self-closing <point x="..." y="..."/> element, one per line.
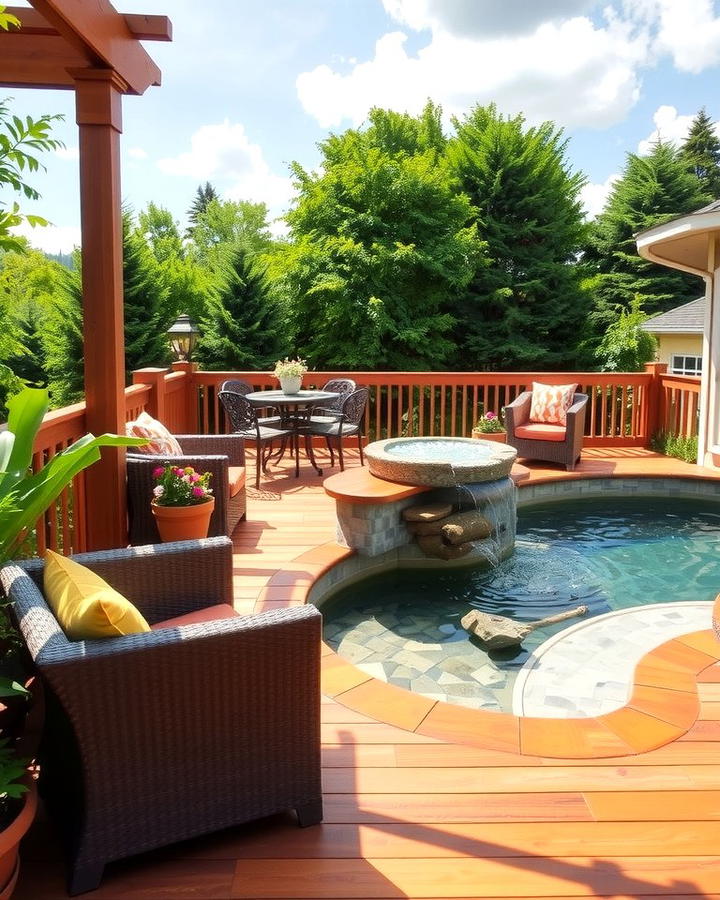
<point x="223" y="455"/>
<point x="565" y="450"/>
<point x="155" y="738"/>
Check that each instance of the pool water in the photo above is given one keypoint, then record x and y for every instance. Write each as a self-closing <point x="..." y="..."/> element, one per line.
<point x="443" y="451"/>
<point x="404" y="625"/>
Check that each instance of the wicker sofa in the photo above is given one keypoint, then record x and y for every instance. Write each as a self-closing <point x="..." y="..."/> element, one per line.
<point x="157" y="737"/>
<point x="565" y="451"/>
<point x="222" y="455"/>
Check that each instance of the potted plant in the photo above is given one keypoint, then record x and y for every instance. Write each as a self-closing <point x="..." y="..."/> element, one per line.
<point x="489" y="427"/>
<point x="24" y="497"/>
<point x="182" y="502"/>
<point x="290" y="373"/>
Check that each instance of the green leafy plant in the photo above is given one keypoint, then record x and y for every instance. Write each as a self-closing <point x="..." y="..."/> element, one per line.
<point x="176" y="486"/>
<point x="490" y="423"/>
<point x="676" y="445"/>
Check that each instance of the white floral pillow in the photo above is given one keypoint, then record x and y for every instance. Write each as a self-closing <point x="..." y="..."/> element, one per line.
<point x="160" y="441"/>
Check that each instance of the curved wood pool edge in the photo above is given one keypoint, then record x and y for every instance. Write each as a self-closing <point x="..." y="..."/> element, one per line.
<point x="663" y="706"/>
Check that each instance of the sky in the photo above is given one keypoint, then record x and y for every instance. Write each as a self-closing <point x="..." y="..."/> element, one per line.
<point x="248" y="86"/>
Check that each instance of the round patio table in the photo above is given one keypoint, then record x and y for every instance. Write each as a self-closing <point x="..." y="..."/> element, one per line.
<point x="289" y="404"/>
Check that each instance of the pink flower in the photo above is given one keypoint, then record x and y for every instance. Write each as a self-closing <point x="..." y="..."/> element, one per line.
<point x="194" y="478"/>
<point x="158" y="472"/>
<point x="179" y="472"/>
<point x="490" y="415"/>
<point x="198" y="492"/>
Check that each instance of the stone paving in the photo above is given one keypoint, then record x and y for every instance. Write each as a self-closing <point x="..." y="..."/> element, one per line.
<point x="586" y="669"/>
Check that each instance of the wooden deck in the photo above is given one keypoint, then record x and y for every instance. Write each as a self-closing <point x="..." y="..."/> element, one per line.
<point x="410" y="815"/>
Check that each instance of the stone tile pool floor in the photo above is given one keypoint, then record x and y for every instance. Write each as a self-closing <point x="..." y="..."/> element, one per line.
<point x="585" y="670"/>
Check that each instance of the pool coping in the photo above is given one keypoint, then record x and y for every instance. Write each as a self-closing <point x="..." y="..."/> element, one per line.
<point x="656" y="714"/>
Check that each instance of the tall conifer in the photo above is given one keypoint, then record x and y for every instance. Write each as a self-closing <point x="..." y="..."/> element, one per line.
<point x="701" y="154"/>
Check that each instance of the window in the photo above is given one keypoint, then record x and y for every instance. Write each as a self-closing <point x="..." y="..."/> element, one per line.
<point x="685" y="365"/>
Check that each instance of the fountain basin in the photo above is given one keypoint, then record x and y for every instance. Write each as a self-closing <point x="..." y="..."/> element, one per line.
<point x="439" y="461"/>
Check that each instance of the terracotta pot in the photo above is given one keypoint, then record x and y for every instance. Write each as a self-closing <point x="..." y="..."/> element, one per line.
<point x="499" y="437"/>
<point x="10" y="840"/>
<point x="183" y="523"/>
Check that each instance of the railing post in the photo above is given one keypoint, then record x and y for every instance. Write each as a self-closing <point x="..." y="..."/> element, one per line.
<point x="653" y="414"/>
<point x="191" y="403"/>
<point x="155" y="379"/>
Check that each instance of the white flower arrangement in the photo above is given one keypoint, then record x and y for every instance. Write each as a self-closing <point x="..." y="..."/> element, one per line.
<point x="290" y="368"/>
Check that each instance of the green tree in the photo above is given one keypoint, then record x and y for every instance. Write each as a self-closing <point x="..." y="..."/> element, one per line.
<point x="203" y="196"/>
<point x="63" y="339"/>
<point x="383" y="243"/>
<point x="701" y="154"/>
<point x="147" y="318"/>
<point x="525" y="309"/>
<point x="625" y="346"/>
<point x="651" y="190"/>
<point x="29" y="363"/>
<point x="20" y="141"/>
<point x="242" y="327"/>
<point x="225" y="224"/>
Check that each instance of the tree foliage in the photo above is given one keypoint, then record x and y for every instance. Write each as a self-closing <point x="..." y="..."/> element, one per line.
<point x="382" y="243"/>
<point x="626" y="346"/>
<point x="651" y="190"/>
<point x="524" y="310"/>
<point x="63" y="339"/>
<point x="225" y="224"/>
<point x="701" y="154"/>
<point x="242" y="328"/>
<point x="203" y="196"/>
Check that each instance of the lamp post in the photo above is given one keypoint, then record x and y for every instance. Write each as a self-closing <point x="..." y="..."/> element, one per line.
<point x="183" y="337"/>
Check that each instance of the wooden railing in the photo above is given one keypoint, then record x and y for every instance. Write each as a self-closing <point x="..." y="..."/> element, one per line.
<point x="679" y="398"/>
<point x="449" y="403"/>
<point x="625" y="409"/>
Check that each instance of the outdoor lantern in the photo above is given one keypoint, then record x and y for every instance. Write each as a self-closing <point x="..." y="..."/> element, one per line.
<point x="183" y="335"/>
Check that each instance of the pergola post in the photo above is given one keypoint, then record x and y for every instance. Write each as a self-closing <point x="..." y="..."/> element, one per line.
<point x="709" y="423"/>
<point x="98" y="108"/>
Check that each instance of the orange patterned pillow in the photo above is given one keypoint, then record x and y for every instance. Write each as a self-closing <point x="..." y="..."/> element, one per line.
<point x="550" y="402"/>
<point x="160" y="441"/>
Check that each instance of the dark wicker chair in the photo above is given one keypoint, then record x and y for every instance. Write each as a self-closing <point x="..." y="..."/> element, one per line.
<point x="245" y="423"/>
<point x="222" y="455"/>
<point x="348" y="422"/>
<point x="242" y="387"/>
<point x="565" y="452"/>
<point x="155" y="738"/>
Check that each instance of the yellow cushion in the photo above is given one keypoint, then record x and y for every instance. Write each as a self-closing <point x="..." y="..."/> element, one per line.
<point x="86" y="606"/>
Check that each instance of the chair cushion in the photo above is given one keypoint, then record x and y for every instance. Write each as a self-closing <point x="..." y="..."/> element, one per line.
<point x="537" y="431"/>
<point x="236" y="477"/>
<point x="85" y="606"/>
<point x="332" y="429"/>
<point x="160" y="441"/>
<point x="550" y="402"/>
<point x="206" y="614"/>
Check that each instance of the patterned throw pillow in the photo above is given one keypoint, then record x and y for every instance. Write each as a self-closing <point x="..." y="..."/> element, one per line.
<point x="160" y="441"/>
<point x="550" y="402"/>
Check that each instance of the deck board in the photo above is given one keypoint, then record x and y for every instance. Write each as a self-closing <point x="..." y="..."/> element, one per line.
<point x="413" y="815"/>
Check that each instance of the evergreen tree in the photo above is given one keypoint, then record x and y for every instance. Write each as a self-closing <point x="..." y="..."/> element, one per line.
<point x="382" y="246"/>
<point x="241" y="330"/>
<point x="626" y="346"/>
<point x="63" y="340"/>
<point x="525" y="309"/>
<point x="29" y="363"/>
<point x="651" y="190"/>
<point x="203" y="196"/>
<point x="223" y="225"/>
<point x="146" y="316"/>
<point x="701" y="154"/>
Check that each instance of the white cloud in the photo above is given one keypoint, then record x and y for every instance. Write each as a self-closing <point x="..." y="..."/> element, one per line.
<point x="690" y="33"/>
<point x="482" y="18"/>
<point x="594" y="196"/>
<point x="535" y="74"/>
<point x="137" y="153"/>
<point x="51" y="238"/>
<point x="546" y="59"/>
<point x="69" y="153"/>
<point x="669" y="127"/>
<point x="225" y="151"/>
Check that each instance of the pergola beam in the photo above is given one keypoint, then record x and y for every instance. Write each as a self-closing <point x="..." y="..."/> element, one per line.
<point x="100" y="38"/>
<point x="141" y="27"/>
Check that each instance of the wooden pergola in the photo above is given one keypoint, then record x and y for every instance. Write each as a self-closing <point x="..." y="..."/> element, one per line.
<point x="89" y="47"/>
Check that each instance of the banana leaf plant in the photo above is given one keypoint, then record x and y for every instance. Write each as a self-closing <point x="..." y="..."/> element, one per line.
<point x="24" y="495"/>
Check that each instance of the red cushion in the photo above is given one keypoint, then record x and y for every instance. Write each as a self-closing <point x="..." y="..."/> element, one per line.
<point x="206" y="614"/>
<point x="236" y="476"/>
<point x="537" y="431"/>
